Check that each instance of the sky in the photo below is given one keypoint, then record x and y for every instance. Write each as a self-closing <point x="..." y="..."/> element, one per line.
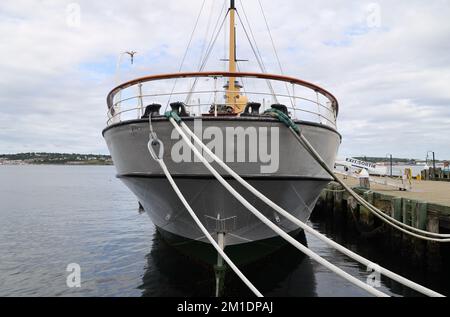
<point x="387" y="62"/>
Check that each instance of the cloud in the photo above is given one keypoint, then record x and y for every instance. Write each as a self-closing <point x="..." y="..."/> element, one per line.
<point x="386" y="61"/>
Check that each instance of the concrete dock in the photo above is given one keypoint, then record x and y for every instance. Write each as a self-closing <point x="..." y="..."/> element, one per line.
<point x="426" y="207"/>
<point x="429" y="191"/>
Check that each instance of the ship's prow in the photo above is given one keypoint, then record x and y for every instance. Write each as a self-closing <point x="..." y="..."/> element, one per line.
<point x="237" y="124"/>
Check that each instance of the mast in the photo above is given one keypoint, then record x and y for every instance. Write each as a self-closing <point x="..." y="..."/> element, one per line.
<point x="233" y="87"/>
<point x="232" y="65"/>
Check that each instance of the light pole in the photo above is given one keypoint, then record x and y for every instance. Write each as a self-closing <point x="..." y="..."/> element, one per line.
<point x="390" y="162"/>
<point x="117" y="105"/>
<point x="434" y="163"/>
<point x="119" y="63"/>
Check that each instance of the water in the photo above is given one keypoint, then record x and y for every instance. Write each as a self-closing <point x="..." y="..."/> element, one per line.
<point x="52" y="216"/>
<point x="399" y="170"/>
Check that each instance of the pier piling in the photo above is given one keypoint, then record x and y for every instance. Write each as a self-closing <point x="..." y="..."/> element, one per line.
<point x="407" y="207"/>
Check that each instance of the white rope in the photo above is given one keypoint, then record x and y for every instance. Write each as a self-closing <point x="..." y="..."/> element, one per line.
<point x="159" y="159"/>
<point x="307" y="228"/>
<point x="271" y="225"/>
<point x="378" y="213"/>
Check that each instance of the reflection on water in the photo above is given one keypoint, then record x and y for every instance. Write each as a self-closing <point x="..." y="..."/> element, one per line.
<point x="170" y="273"/>
<point x="372" y="249"/>
<point x="53" y="216"/>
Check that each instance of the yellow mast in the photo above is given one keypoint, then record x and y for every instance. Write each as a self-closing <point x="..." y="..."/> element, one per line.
<point x="233" y="94"/>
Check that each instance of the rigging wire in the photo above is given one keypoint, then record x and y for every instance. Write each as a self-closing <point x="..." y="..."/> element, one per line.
<point x="186" y="51"/>
<point x="271" y="37"/>
<point x="253" y="37"/>
<point x="211" y="47"/>
<point x="214" y="36"/>
<point x="208" y="28"/>
<point x="260" y="63"/>
<point x="205" y="37"/>
<point x="225" y="36"/>
<point x="218" y="19"/>
<point x="275" y="50"/>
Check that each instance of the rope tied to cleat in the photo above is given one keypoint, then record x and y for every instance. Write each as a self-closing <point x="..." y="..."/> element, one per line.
<point x="281" y="116"/>
<point x="173" y="115"/>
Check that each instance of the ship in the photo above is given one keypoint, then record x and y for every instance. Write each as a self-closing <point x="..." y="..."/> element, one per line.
<point x="228" y="111"/>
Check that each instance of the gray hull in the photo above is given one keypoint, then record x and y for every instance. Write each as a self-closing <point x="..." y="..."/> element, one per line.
<point x="295" y="186"/>
<point x="211" y="201"/>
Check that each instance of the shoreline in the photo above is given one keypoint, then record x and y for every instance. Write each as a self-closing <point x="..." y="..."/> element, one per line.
<point x="53" y="164"/>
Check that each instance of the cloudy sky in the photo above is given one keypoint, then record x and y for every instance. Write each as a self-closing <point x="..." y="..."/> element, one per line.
<point x="388" y="62"/>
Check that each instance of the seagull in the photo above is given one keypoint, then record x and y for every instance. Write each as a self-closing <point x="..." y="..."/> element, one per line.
<point x="132" y="53"/>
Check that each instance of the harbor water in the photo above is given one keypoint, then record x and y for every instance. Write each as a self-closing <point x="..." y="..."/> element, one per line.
<point x="54" y="216"/>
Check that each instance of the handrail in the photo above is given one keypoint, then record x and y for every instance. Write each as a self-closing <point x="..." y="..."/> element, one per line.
<point x="225" y="91"/>
<point x="111" y="119"/>
<point x="292" y="80"/>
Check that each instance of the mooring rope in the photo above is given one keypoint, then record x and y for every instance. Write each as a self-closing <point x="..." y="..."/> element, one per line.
<point x="442" y="238"/>
<point x="154" y="141"/>
<point x="304" y="226"/>
<point x="175" y="120"/>
<point x="393" y="222"/>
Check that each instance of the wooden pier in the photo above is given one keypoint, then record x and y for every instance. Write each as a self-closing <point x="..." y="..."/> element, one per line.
<point x="426" y="207"/>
